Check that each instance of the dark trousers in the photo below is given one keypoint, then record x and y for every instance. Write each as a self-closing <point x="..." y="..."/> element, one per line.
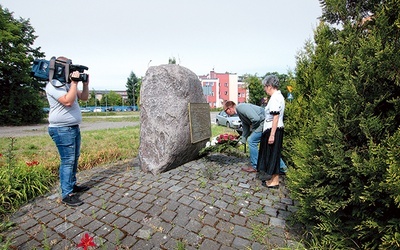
<point x="269" y="155"/>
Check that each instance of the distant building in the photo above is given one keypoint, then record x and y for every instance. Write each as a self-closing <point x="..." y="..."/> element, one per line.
<point x="243" y="93"/>
<point x="221" y="87"/>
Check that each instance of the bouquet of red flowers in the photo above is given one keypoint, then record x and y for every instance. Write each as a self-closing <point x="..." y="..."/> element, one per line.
<point x="223" y="143"/>
<point x="228" y="139"/>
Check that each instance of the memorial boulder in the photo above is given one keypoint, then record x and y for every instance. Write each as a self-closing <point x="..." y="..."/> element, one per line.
<point x="166" y="132"/>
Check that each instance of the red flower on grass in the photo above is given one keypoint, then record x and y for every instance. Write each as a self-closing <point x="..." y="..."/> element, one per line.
<point x="86" y="242"/>
<point x="32" y="163"/>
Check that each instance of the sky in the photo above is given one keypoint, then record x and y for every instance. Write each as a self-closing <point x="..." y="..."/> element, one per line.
<point x="115" y="38"/>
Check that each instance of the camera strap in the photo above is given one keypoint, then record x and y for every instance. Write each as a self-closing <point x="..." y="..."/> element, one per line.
<point x="56" y="68"/>
<point x="57" y="84"/>
<point x="67" y="67"/>
<point x="52" y="66"/>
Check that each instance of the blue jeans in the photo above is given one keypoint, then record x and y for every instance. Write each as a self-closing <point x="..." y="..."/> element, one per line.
<point x="282" y="168"/>
<point x="254" y="140"/>
<point x="68" y="142"/>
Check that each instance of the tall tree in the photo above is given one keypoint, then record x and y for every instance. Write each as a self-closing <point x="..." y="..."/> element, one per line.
<point x="256" y="90"/>
<point x="92" y="99"/>
<point x="343" y="131"/>
<point x="112" y="99"/>
<point x="21" y="101"/>
<point x="133" y="88"/>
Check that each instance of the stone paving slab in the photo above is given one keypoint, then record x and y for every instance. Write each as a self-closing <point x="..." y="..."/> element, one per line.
<point x="208" y="203"/>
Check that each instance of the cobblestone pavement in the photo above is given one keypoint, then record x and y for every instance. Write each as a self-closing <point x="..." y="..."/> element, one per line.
<point x="206" y="204"/>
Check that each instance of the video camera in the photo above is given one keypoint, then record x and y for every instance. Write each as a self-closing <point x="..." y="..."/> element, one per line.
<point x="82" y="76"/>
<point x="44" y="70"/>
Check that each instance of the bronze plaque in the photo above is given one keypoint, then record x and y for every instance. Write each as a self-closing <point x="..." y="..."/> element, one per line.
<point x="200" y="122"/>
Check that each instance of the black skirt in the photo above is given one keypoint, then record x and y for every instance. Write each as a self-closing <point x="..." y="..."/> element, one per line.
<point x="269" y="155"/>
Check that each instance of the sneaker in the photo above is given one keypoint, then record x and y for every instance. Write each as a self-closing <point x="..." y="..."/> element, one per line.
<point x="72" y="201"/>
<point x="78" y="189"/>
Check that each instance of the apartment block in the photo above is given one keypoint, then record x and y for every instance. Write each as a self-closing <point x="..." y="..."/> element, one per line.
<point x="221" y="87"/>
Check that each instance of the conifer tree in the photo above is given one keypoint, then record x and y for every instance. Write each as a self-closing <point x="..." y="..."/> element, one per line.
<point x="133" y="88"/>
<point x="343" y="131"/>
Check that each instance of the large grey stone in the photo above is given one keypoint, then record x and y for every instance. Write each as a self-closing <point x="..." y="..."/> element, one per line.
<point x="165" y="141"/>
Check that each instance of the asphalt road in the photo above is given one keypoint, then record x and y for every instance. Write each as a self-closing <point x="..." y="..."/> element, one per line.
<point x="41" y="129"/>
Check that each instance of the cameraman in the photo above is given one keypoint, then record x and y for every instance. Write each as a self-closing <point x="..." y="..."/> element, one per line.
<point x="64" y="119"/>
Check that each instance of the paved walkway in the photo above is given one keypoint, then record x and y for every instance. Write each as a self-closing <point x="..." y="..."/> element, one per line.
<point x="204" y="204"/>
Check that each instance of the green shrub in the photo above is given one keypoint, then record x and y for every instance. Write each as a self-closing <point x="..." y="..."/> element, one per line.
<point x="21" y="183"/>
<point x="342" y="130"/>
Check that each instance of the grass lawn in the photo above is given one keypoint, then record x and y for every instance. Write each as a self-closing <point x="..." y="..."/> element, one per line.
<point x="29" y="165"/>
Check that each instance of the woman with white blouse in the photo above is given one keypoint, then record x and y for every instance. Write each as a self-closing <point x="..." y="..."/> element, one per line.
<point x="272" y="138"/>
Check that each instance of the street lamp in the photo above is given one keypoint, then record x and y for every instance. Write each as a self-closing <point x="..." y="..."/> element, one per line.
<point x="133" y="90"/>
<point x="95" y="102"/>
<point x="106" y="102"/>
